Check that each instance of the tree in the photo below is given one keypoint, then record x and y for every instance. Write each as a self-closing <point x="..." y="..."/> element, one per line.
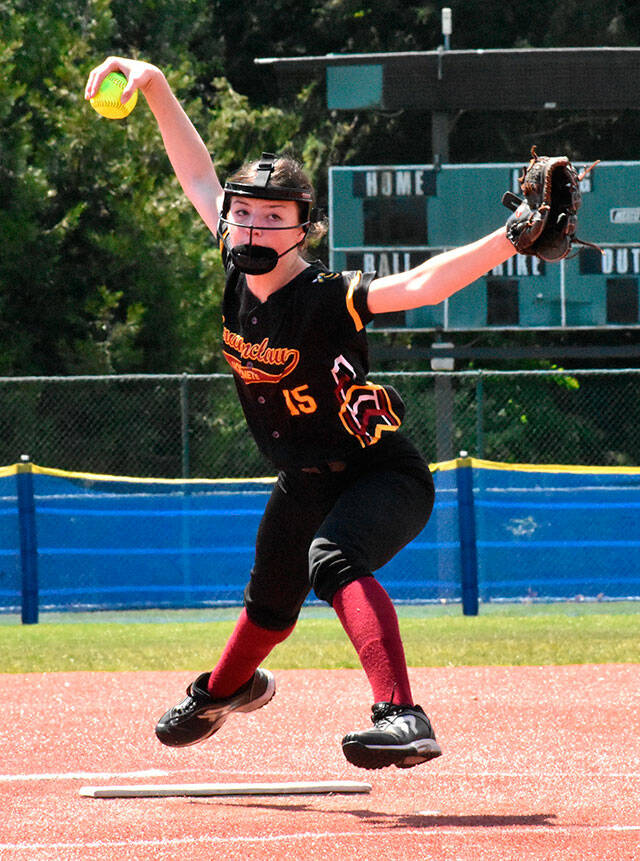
<point x="104" y="266"/>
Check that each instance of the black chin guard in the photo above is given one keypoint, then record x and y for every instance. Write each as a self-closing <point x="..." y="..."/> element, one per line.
<point x="254" y="259"/>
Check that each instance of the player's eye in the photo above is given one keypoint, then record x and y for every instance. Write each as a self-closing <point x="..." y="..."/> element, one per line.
<point x="240" y="215"/>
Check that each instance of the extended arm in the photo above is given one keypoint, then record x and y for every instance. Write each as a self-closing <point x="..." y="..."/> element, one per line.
<point x="186" y="150"/>
<point x="439" y="277"/>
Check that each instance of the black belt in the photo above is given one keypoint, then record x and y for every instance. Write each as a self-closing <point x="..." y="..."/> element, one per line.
<point x="328" y="466"/>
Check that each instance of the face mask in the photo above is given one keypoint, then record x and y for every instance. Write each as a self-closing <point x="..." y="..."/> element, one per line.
<point x="258" y="259"/>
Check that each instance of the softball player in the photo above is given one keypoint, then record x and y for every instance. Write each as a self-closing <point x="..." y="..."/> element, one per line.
<point x="351" y="489"/>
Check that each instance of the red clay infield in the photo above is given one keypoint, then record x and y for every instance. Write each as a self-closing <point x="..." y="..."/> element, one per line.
<point x="539" y="763"/>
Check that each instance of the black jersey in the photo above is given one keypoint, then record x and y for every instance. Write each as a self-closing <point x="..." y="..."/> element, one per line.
<point x="300" y="362"/>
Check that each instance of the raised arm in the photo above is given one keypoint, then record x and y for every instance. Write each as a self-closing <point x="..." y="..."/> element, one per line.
<point x="186" y="150"/>
<point x="439" y="277"/>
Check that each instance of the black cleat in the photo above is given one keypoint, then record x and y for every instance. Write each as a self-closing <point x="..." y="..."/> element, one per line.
<point x="199" y="716"/>
<point x="402" y="736"/>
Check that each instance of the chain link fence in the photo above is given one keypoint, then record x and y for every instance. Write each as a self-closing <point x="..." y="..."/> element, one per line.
<point x="172" y="426"/>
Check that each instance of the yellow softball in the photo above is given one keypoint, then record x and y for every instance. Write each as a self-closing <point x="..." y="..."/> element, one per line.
<point x="107" y="103"/>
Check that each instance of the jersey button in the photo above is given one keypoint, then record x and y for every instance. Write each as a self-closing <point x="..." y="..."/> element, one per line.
<point x="254" y="320"/>
<point x="261" y="399"/>
<point x="276" y="434"/>
<point x="249" y="365"/>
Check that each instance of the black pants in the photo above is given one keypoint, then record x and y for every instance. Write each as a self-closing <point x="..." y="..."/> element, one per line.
<point x="325" y="530"/>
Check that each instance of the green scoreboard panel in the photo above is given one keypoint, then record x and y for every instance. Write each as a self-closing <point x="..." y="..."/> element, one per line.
<point x="390" y="218"/>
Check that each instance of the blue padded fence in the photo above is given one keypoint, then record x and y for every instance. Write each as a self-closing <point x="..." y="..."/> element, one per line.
<point x="499" y="532"/>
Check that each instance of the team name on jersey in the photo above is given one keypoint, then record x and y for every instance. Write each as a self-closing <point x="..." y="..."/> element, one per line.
<point x="275" y="362"/>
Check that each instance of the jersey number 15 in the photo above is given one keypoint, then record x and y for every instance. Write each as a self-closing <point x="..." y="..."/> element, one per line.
<point x="298" y="401"/>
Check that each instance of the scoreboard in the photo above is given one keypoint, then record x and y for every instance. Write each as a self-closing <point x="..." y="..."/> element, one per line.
<point x="390" y="218"/>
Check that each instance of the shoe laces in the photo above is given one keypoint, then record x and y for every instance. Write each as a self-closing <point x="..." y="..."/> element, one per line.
<point x="185" y="706"/>
<point x="384" y="711"/>
<point x="380" y="711"/>
<point x="192" y="700"/>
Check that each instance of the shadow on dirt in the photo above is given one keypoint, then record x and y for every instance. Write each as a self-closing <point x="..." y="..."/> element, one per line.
<point x="418" y="820"/>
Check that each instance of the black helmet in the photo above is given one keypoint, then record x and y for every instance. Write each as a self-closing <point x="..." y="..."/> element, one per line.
<point x="260" y="187"/>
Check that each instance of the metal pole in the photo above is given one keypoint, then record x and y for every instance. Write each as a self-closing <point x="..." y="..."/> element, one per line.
<point x="563" y="294"/>
<point x="444" y="417"/>
<point x="443" y="391"/>
<point x="184" y="423"/>
<point x="440" y="137"/>
<point x="480" y="415"/>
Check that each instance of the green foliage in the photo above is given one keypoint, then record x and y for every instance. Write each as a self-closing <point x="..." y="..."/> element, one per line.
<point x="104" y="265"/>
<point x="238" y="132"/>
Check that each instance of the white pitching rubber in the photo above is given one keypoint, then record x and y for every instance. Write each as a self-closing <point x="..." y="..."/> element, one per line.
<point x="204" y="789"/>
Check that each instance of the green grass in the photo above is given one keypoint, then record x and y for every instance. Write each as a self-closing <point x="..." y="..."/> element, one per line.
<point x="433" y="636"/>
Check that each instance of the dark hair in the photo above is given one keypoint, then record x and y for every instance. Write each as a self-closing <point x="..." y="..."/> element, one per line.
<point x="288" y="173"/>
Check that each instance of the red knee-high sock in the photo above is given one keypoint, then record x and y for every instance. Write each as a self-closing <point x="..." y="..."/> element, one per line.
<point x="370" y="620"/>
<point x="247" y="647"/>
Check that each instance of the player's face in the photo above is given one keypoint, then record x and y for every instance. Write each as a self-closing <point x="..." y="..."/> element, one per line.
<point x="252" y="220"/>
